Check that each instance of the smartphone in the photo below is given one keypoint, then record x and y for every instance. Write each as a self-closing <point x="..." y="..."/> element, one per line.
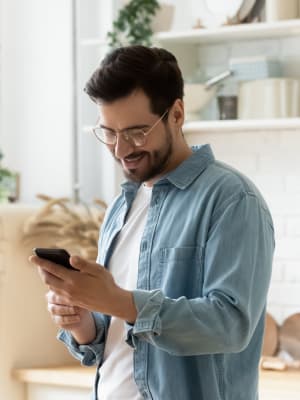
<point x="58" y="256"/>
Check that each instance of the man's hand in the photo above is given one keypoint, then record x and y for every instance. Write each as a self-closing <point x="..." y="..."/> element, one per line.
<point x="64" y="314"/>
<point x="78" y="321"/>
<point x="91" y="287"/>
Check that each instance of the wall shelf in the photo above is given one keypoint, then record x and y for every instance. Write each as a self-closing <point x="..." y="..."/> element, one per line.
<point x="261" y="30"/>
<point x="243" y="125"/>
<point x="239" y="32"/>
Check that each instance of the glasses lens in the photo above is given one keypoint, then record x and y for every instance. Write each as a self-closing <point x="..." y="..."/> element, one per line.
<point x="105" y="135"/>
<point x="134" y="136"/>
<point x="137" y="137"/>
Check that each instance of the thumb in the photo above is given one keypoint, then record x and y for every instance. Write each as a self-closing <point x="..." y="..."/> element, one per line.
<point x="82" y="265"/>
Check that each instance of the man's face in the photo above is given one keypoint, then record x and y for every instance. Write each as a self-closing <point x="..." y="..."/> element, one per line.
<point x="140" y="163"/>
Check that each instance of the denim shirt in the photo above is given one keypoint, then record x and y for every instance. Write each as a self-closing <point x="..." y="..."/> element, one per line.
<point x="204" y="271"/>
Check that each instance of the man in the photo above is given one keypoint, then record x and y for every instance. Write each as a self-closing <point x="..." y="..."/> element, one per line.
<point x="178" y="311"/>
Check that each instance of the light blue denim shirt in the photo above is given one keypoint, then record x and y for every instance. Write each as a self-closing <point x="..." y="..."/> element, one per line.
<point x="204" y="271"/>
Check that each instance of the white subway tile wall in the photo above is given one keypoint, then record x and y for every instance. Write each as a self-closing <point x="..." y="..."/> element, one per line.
<point x="272" y="161"/>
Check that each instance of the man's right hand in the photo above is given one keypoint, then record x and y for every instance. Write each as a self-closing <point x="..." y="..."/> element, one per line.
<point x="78" y="321"/>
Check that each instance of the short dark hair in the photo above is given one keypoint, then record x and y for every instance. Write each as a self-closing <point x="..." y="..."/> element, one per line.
<point x="123" y="70"/>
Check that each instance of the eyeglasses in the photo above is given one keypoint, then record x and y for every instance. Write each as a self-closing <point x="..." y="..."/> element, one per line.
<point x="136" y="136"/>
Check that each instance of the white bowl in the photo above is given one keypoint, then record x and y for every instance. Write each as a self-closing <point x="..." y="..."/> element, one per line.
<point x="196" y="96"/>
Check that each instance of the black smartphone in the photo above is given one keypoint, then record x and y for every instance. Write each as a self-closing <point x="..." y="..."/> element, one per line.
<point x="58" y="256"/>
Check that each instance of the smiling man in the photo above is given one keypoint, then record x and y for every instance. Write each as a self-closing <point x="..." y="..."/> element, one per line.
<point x="144" y="155"/>
<point x="174" y="307"/>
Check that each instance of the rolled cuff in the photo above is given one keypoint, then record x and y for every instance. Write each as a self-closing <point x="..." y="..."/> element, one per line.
<point x="148" y="322"/>
<point x="87" y="354"/>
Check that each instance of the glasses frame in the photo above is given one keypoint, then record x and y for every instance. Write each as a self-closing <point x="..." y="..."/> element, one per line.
<point x="127" y="136"/>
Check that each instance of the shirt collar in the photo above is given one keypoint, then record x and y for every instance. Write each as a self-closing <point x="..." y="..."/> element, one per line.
<point x="191" y="168"/>
<point x="185" y="173"/>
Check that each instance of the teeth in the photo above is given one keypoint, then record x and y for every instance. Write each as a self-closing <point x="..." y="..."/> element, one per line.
<point x="133" y="158"/>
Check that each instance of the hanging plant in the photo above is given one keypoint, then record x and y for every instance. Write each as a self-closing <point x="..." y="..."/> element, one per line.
<point x="133" y="24"/>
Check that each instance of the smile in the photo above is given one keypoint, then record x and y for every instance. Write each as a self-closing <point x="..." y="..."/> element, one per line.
<point x="132" y="161"/>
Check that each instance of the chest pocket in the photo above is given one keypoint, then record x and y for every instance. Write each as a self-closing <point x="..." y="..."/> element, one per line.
<point x="180" y="271"/>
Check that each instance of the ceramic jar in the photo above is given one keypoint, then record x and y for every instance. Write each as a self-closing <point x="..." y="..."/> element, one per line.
<point x="277" y="10"/>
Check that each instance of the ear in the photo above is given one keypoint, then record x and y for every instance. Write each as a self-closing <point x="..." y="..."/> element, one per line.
<point x="177" y="114"/>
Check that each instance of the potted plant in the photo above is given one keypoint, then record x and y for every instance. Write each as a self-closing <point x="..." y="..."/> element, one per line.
<point x="8" y="184"/>
<point x="133" y="24"/>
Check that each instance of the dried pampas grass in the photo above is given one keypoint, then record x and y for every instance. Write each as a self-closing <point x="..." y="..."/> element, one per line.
<point x="63" y="224"/>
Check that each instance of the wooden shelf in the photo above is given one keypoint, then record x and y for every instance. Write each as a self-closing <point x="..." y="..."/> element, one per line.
<point x="239" y="32"/>
<point x="261" y="30"/>
<point x="243" y="125"/>
<point x="74" y="376"/>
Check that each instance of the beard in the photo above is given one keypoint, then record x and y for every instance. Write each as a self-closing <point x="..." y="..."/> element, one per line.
<point x="157" y="161"/>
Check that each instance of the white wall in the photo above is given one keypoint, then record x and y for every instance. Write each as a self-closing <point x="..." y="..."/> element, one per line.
<point x="36" y="92"/>
<point x="271" y="160"/>
<point x="96" y="169"/>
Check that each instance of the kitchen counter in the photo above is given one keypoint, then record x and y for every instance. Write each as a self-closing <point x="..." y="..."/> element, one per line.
<point x="279" y="385"/>
<point x="274" y="385"/>
<point x="68" y="375"/>
<point x="64" y="382"/>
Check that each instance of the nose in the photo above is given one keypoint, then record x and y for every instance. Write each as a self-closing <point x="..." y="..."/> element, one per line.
<point x="123" y="147"/>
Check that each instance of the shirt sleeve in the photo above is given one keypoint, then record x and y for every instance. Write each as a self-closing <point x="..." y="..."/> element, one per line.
<point x="87" y="354"/>
<point x="237" y="270"/>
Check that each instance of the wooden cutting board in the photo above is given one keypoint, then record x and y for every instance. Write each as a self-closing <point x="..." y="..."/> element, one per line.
<point x="289" y="335"/>
<point x="271" y="337"/>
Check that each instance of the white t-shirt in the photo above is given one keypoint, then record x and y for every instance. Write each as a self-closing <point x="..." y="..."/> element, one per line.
<point x="116" y="374"/>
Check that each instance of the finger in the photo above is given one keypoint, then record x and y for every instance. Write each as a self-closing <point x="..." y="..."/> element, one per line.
<point x="52" y="268"/>
<point x="66" y="320"/>
<point x="83" y="265"/>
<point x="38" y="261"/>
<point x="43" y="275"/>
<point x="31" y="259"/>
<point x="61" y="310"/>
<point x="49" y="279"/>
<point x="55" y="298"/>
<point x="52" y="297"/>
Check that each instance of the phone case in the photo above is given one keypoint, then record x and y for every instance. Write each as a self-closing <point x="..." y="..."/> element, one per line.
<point x="58" y="256"/>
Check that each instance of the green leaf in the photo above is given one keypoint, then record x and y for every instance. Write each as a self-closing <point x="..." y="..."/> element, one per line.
<point x="134" y="20"/>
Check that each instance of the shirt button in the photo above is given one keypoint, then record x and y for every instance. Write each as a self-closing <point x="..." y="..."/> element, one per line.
<point x="144" y="246"/>
<point x="156" y="201"/>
